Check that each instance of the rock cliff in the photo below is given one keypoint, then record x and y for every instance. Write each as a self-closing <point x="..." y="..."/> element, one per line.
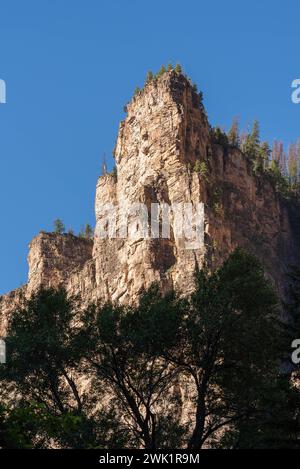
<point x="165" y="154"/>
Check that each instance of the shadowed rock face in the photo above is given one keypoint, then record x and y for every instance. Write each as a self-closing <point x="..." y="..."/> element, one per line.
<point x="163" y="136"/>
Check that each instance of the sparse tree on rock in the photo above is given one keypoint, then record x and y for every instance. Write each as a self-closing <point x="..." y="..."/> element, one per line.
<point x="178" y="68"/>
<point x="161" y="71"/>
<point x="149" y="77"/>
<point x="88" y="231"/>
<point x="59" y="227"/>
<point x="233" y="134"/>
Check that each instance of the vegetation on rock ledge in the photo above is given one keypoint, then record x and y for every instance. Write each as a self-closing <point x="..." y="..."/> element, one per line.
<point x="283" y="168"/>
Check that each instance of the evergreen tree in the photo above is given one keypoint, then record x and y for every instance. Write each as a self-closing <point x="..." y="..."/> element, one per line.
<point x="219" y="136"/>
<point x="278" y="155"/>
<point x="88" y="232"/>
<point x="252" y="142"/>
<point x="161" y="71"/>
<point x="255" y="133"/>
<point x="233" y="134"/>
<point x="178" y="68"/>
<point x="59" y="227"/>
<point x="265" y="153"/>
<point x="149" y="77"/>
<point x="170" y="67"/>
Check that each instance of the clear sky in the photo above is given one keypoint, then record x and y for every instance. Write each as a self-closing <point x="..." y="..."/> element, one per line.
<point x="71" y="65"/>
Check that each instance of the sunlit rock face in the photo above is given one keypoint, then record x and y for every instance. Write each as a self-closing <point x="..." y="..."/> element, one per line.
<point x="165" y="155"/>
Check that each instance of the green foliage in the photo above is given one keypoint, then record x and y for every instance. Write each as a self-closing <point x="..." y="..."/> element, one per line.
<point x="114" y="173"/>
<point x="251" y="144"/>
<point x="226" y="340"/>
<point x="219" y="136"/>
<point x="161" y="71"/>
<point x="280" y="183"/>
<point x="88" y="232"/>
<point x="216" y="201"/>
<point x="169" y="67"/>
<point x="59" y="227"/>
<point x="124" y="349"/>
<point x="39" y="340"/>
<point x="283" y="169"/>
<point x="44" y="368"/>
<point x="233" y="134"/>
<point x="178" y="68"/>
<point x="201" y="168"/>
<point x="22" y="427"/>
<point x="263" y="157"/>
<point x="233" y="341"/>
<point x="149" y="77"/>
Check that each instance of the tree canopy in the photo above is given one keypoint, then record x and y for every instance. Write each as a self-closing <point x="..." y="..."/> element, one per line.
<point x="170" y="372"/>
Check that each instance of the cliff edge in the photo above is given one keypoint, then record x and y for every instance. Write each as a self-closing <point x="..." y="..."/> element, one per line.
<point x="165" y="154"/>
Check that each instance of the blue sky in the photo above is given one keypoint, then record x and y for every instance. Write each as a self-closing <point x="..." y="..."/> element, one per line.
<point x="71" y="65"/>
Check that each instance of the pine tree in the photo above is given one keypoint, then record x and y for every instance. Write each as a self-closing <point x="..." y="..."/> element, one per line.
<point x="251" y="146"/>
<point x="88" y="232"/>
<point x="233" y="134"/>
<point x="149" y="77"/>
<point x="255" y="133"/>
<point x="170" y="67"/>
<point x="59" y="227"/>
<point x="161" y="71"/>
<point x="275" y="168"/>
<point x="178" y="68"/>
<point x="278" y="155"/>
<point x="219" y="136"/>
<point x="265" y="153"/>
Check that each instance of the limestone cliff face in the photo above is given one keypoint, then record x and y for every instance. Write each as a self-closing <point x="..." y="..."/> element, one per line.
<point x="160" y="145"/>
<point x="254" y="216"/>
<point x="9" y="303"/>
<point x="53" y="258"/>
<point x="165" y="132"/>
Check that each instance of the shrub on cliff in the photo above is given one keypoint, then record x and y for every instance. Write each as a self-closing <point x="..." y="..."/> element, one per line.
<point x="149" y="77"/>
<point x="59" y="227"/>
<point x="219" y="136"/>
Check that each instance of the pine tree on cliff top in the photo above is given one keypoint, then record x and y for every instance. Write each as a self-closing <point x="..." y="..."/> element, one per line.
<point x="59" y="227"/>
